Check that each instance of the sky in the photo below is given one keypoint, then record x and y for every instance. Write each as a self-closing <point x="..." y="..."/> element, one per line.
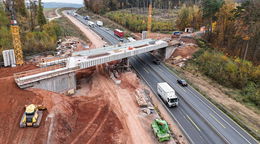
<point x="65" y="1"/>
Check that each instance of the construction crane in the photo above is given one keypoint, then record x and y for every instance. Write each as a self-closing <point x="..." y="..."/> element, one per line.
<point x="15" y="30"/>
<point x="149" y="23"/>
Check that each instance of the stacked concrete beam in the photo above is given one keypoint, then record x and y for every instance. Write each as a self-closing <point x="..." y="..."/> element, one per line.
<point x="9" y="57"/>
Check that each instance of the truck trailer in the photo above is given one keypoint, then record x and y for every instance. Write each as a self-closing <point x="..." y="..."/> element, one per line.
<point x="119" y="33"/>
<point x="167" y="93"/>
<point x="91" y="24"/>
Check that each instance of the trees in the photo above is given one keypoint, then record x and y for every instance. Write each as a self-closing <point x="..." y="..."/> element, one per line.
<point x="40" y="16"/>
<point x="235" y="73"/>
<point x="247" y="23"/>
<point x="190" y="16"/>
<point x="224" y="30"/>
<point x="111" y="5"/>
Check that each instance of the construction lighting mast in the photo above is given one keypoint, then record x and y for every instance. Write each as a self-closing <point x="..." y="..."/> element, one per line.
<point x="15" y="30"/>
<point x="149" y="23"/>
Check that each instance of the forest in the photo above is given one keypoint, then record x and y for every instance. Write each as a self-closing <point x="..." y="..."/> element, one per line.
<point x="233" y="26"/>
<point x="36" y="34"/>
<point x="232" y="33"/>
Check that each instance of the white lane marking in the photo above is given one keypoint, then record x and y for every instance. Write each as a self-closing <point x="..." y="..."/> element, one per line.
<point x="215" y="111"/>
<point x="167" y="109"/>
<point x="217" y="120"/>
<point x="146" y="70"/>
<point x="221" y="117"/>
<point x="193" y="122"/>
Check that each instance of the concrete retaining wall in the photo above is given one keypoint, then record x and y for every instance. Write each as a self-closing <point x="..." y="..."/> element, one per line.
<point x="60" y="84"/>
<point x="169" y="51"/>
<point x="165" y="53"/>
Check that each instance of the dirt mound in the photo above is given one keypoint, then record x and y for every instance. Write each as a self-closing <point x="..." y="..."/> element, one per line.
<point x="188" y="40"/>
<point x="155" y="35"/>
<point x="9" y="71"/>
<point x="186" y="51"/>
<point x="67" y="120"/>
<point x="129" y="80"/>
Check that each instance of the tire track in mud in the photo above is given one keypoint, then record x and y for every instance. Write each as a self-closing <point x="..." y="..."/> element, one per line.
<point x="92" y="126"/>
<point x="101" y="125"/>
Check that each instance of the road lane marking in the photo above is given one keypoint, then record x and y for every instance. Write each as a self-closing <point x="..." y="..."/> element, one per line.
<point x="193" y="123"/>
<point x="217" y="120"/>
<point x="146" y="70"/>
<point x="221" y="116"/>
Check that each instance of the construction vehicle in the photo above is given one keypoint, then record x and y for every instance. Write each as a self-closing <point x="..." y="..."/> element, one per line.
<point x="32" y="116"/>
<point x="161" y="130"/>
<point x="15" y="30"/>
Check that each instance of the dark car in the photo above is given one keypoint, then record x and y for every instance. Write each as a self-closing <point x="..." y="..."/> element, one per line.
<point x="121" y="39"/>
<point x="156" y="61"/>
<point x="86" y="18"/>
<point x="182" y="82"/>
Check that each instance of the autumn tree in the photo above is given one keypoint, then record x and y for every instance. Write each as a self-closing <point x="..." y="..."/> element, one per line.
<point x="247" y="24"/>
<point x="223" y="34"/>
<point x="189" y="16"/>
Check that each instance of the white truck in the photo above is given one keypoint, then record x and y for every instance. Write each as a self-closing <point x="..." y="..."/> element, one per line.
<point x="99" y="23"/>
<point x="167" y="93"/>
<point x="91" y="24"/>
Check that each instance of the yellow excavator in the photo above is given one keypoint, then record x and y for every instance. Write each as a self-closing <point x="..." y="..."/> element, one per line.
<point x="32" y="116"/>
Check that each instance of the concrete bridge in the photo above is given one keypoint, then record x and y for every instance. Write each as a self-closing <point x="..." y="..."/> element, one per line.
<point x="59" y="75"/>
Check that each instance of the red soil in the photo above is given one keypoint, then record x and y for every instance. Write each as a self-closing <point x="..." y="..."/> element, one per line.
<point x="186" y="51"/>
<point x="67" y="119"/>
<point x="9" y="71"/>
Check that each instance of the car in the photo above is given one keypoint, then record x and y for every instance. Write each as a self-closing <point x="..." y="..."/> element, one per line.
<point x="177" y="33"/>
<point x="86" y="18"/>
<point x="121" y="39"/>
<point x="156" y="61"/>
<point x="182" y="82"/>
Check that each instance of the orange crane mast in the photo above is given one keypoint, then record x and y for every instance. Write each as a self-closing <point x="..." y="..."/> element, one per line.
<point x="15" y="30"/>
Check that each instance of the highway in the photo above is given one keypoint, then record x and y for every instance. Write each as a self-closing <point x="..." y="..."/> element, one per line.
<point x="199" y="119"/>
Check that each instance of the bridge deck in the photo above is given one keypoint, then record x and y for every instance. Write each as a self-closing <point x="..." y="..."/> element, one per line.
<point x="88" y="58"/>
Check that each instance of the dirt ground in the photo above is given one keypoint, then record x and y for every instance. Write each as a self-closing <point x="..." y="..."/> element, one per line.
<point x="9" y="71"/>
<point x="67" y="119"/>
<point x="49" y="13"/>
<point x="154" y="35"/>
<point x="136" y="124"/>
<point x="185" y="51"/>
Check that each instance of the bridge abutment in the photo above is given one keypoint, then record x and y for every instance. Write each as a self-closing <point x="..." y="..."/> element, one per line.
<point x="65" y="84"/>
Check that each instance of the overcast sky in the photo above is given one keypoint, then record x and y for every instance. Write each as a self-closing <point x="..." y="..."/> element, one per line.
<point x="65" y="1"/>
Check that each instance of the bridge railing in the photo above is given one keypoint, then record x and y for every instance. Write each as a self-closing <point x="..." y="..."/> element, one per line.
<point x="31" y="76"/>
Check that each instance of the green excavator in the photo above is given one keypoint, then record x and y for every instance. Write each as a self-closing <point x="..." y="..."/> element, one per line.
<point x="161" y="130"/>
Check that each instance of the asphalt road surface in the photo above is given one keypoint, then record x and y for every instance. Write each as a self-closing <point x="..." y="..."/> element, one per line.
<point x="199" y="119"/>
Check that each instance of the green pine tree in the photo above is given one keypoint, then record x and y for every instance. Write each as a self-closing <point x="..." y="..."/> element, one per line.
<point x="40" y="16"/>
